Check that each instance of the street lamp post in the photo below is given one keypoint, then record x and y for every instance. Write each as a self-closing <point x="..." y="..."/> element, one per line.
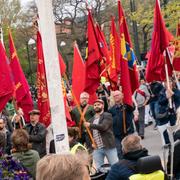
<point x="30" y="42"/>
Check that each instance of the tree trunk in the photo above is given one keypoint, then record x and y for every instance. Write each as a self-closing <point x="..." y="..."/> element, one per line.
<point x="135" y="32"/>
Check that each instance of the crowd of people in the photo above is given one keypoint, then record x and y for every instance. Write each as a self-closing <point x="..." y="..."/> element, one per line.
<point x="116" y="128"/>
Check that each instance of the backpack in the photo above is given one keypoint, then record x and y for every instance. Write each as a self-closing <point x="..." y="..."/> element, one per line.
<point x="160" y="111"/>
<point x="157" y="175"/>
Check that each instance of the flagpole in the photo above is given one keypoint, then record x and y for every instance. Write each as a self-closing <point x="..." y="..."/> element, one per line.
<point x="80" y="111"/>
<point x="53" y="75"/>
<point x="167" y="78"/>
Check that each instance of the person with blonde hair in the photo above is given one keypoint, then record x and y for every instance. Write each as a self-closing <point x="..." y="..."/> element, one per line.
<point x="63" y="167"/>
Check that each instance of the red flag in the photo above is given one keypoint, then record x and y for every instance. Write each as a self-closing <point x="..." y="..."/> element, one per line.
<point x="176" y="59"/>
<point x="128" y="50"/>
<point x="62" y="64"/>
<point x="124" y="77"/>
<point x="43" y="99"/>
<point x="42" y="90"/>
<point x="6" y="84"/>
<point x="114" y="69"/>
<point x="22" y="92"/>
<point x="105" y="56"/>
<point x="160" y="41"/>
<point x="92" y="63"/>
<point x="78" y="74"/>
<point x="69" y="121"/>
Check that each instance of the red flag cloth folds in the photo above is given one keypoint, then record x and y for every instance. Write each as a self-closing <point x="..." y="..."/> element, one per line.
<point x="62" y="64"/>
<point x="22" y="92"/>
<point x="124" y="77"/>
<point x="176" y="59"/>
<point x="160" y="41"/>
<point x="42" y="90"/>
<point x="105" y="56"/>
<point x="78" y="74"/>
<point x="43" y="98"/>
<point x="69" y="120"/>
<point x="114" y="69"/>
<point x="128" y="50"/>
<point x="92" y="63"/>
<point x="6" y="84"/>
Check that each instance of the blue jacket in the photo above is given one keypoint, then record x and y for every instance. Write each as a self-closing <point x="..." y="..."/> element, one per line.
<point x="163" y="101"/>
<point x="117" y="114"/>
<point x="127" y="166"/>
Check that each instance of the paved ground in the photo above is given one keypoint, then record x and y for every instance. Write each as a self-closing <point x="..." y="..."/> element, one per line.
<point x="152" y="141"/>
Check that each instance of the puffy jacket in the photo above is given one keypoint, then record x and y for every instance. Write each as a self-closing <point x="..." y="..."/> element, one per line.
<point x="127" y="166"/>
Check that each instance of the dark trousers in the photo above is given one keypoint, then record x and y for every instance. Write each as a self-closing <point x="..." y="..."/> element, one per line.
<point x="140" y="123"/>
<point x="119" y="147"/>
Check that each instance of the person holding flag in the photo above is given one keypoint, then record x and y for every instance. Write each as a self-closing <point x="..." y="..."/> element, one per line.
<point x="122" y="120"/>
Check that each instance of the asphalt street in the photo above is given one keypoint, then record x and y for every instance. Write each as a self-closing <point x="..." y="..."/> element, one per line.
<point x="152" y="142"/>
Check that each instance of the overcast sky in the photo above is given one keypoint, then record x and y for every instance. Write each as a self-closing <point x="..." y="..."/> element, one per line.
<point x="25" y="1"/>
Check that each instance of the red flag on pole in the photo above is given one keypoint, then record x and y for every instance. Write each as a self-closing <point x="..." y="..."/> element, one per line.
<point x="176" y="59"/>
<point x="105" y="55"/>
<point x="160" y="41"/>
<point x="22" y="92"/>
<point x="114" y="69"/>
<point x="62" y="64"/>
<point x="69" y="121"/>
<point x="6" y="83"/>
<point x="128" y="49"/>
<point x="125" y="74"/>
<point x="42" y="90"/>
<point x="78" y="74"/>
<point x="43" y="100"/>
<point x="92" y="62"/>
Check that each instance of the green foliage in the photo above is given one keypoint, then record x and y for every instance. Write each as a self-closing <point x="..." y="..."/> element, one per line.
<point x="14" y="17"/>
<point x="144" y="17"/>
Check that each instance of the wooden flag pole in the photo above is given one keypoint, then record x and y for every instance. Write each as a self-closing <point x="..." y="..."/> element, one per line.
<point x="53" y="75"/>
<point x="80" y="111"/>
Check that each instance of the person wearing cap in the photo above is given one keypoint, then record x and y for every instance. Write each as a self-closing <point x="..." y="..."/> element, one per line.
<point x="102" y="131"/>
<point x="37" y="133"/>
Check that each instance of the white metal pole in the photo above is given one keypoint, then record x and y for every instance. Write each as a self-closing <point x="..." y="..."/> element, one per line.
<point x="53" y="75"/>
<point x="167" y="79"/>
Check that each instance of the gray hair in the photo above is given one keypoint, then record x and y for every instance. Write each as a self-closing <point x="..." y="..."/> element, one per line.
<point x="131" y="143"/>
<point x="67" y="166"/>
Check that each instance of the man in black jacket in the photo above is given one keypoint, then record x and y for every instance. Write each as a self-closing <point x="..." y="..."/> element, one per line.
<point x="101" y="126"/>
<point x="37" y="133"/>
<point x="132" y="151"/>
<point x="122" y="115"/>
